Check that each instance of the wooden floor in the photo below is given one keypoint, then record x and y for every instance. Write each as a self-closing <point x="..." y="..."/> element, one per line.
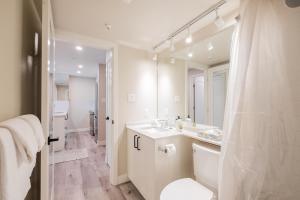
<point x="88" y="179"/>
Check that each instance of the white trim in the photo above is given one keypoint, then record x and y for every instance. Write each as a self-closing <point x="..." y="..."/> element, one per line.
<point x="46" y="23"/>
<point x="123" y="179"/>
<point x="107" y="45"/>
<point x="77" y="130"/>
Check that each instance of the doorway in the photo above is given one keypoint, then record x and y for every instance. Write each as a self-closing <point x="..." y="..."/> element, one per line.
<point x="196" y="95"/>
<point x="81" y="84"/>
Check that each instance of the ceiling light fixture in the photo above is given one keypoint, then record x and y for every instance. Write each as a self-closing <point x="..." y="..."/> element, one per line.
<point x="191" y="22"/>
<point x="190" y="54"/>
<point x="219" y="22"/>
<point x="172" y="60"/>
<point x="78" y="48"/>
<point x="78" y="72"/>
<point x="155" y="57"/>
<point x="210" y="46"/>
<point x="189" y="38"/>
<point x="80" y="66"/>
<point x="172" y="46"/>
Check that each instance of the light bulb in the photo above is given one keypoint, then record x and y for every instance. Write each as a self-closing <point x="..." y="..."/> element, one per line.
<point x="78" y="48"/>
<point x="172" y="47"/>
<point x="190" y="55"/>
<point x="219" y="22"/>
<point x="172" y="60"/>
<point x="155" y="57"/>
<point x="80" y="66"/>
<point x="210" y="46"/>
<point x="78" y="72"/>
<point x="189" y="38"/>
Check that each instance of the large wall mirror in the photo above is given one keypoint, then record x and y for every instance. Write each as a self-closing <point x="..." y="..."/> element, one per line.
<point x="192" y="81"/>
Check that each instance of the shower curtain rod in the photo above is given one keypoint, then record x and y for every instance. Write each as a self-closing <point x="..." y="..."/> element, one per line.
<point x="190" y="23"/>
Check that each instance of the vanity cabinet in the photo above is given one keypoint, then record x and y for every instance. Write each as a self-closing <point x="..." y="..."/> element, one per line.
<point x="141" y="163"/>
<point x="151" y="169"/>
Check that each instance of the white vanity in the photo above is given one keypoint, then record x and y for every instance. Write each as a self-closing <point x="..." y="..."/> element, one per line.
<point x="152" y="165"/>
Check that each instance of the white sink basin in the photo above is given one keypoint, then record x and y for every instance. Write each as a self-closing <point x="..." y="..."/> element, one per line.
<point x="154" y="129"/>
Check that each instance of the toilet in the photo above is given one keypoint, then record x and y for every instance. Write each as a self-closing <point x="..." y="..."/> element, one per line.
<point x="206" y="173"/>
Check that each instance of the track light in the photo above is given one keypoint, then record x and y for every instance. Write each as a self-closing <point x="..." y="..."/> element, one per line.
<point x="210" y="46"/>
<point x="219" y="22"/>
<point x="189" y="38"/>
<point x="78" y="48"/>
<point x="172" y="60"/>
<point x="172" y="47"/>
<point x="155" y="57"/>
<point x="190" y="54"/>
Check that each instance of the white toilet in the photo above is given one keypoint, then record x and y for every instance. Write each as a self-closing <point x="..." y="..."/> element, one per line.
<point x="206" y="173"/>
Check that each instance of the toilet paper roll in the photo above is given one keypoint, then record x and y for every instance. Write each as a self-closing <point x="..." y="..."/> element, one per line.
<point x="170" y="149"/>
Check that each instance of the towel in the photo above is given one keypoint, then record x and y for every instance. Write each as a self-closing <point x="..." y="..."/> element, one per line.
<point x="14" y="177"/>
<point x="35" y="124"/>
<point x="24" y="139"/>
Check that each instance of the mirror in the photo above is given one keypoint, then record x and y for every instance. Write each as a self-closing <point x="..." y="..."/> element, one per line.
<point x="192" y="81"/>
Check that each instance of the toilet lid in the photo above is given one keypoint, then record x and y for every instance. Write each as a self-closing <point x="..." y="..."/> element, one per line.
<point x="185" y="189"/>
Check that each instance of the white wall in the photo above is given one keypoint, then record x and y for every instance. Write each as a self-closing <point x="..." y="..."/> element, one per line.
<point x="82" y="99"/>
<point x="18" y="24"/>
<point x="137" y="75"/>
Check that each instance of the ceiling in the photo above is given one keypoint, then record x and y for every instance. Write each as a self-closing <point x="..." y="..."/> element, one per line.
<point x="220" y="52"/>
<point x="67" y="59"/>
<point x="136" y="23"/>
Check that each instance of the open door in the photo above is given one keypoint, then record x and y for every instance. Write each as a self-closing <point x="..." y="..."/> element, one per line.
<point x="109" y="120"/>
<point x="47" y="80"/>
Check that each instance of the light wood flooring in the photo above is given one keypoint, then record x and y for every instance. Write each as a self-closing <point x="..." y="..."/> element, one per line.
<point x="88" y="179"/>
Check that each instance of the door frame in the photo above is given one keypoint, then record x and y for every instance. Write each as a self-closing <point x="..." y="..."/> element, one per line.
<point x="106" y="45"/>
<point x="204" y="68"/>
<point x="47" y="21"/>
<point x="86" y="41"/>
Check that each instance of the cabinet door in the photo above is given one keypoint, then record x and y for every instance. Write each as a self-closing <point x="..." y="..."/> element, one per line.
<point x="146" y="167"/>
<point x="132" y="160"/>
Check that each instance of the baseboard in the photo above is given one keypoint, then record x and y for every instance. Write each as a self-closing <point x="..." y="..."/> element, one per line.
<point x="123" y="179"/>
<point x="102" y="142"/>
<point x="77" y="130"/>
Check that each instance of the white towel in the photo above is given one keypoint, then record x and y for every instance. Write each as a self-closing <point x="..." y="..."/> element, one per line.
<point x="24" y="138"/>
<point x="35" y="124"/>
<point x="14" y="178"/>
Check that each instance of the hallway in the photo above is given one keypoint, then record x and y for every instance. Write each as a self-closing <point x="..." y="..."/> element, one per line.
<point x="88" y="179"/>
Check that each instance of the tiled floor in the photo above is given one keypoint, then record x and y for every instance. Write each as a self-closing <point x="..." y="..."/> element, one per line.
<point x="88" y="179"/>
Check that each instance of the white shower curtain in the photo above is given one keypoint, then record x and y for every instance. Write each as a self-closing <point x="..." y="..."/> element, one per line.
<point x="260" y="150"/>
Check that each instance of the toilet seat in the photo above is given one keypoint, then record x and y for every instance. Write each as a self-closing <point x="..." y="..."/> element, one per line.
<point x="185" y="188"/>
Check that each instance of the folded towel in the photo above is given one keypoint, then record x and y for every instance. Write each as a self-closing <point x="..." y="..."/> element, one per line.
<point x="14" y="178"/>
<point x="35" y="124"/>
<point x="24" y="138"/>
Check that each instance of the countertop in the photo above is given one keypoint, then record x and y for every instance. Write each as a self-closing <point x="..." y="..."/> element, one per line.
<point x="170" y="132"/>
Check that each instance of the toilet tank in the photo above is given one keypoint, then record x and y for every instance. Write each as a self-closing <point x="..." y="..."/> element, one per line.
<point x="206" y="166"/>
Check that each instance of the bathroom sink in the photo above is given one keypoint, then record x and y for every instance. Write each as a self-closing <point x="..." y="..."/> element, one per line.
<point x="154" y="129"/>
